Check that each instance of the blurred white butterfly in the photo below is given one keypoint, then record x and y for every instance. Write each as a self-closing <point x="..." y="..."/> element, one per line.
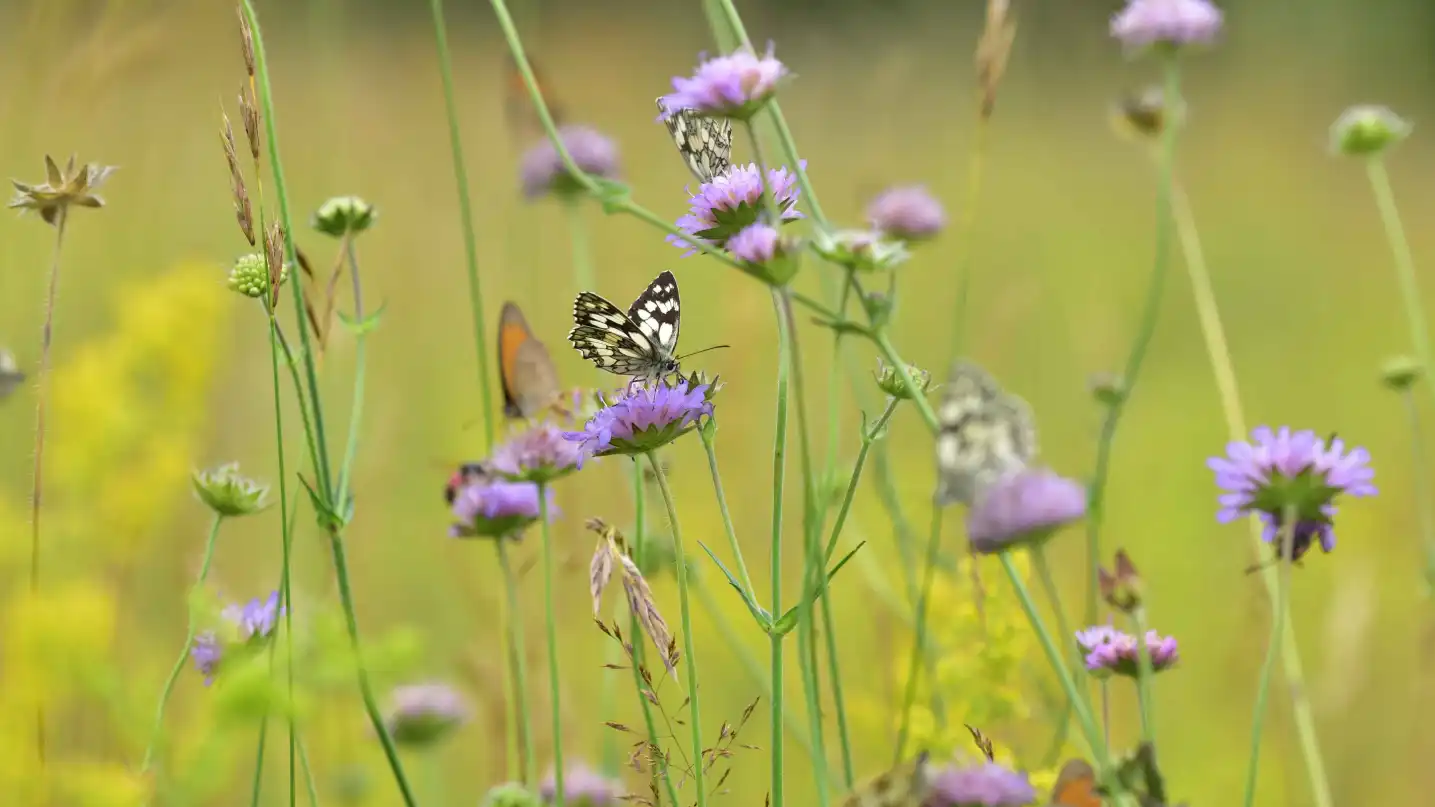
<point x="704" y="143"/>
<point x="985" y="434"/>
<point x="10" y="375"/>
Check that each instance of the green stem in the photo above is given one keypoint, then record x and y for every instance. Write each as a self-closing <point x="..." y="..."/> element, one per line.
<point x="1068" y="637"/>
<point x="1421" y="474"/>
<point x="976" y="161"/>
<point x="1404" y="264"/>
<point x="769" y="204"/>
<point x="356" y="409"/>
<point x="517" y="672"/>
<point x="1278" y="624"/>
<point x="257" y="783"/>
<point x="286" y="526"/>
<point x="559" y="794"/>
<point x="727" y="524"/>
<point x="174" y="671"/>
<point x="807" y="669"/>
<point x="1145" y="331"/>
<point x="582" y="258"/>
<point x="779" y="469"/>
<point x="919" y="633"/>
<point x="1144" y="676"/>
<point x="465" y="207"/>
<point x="834" y="419"/>
<point x="689" y="648"/>
<point x="846" y="506"/>
<point x="919" y="398"/>
<point x="309" y="785"/>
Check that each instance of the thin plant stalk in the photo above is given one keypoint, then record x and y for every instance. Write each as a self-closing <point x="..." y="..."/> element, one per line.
<point x="851" y="493"/>
<point x="1421" y="475"/>
<point x="690" y="660"/>
<point x="919" y="631"/>
<point x="1145" y="331"/>
<point x="356" y="409"/>
<point x="779" y="468"/>
<point x="1278" y="625"/>
<point x="257" y="782"/>
<point x="517" y="672"/>
<point x="1144" y="675"/>
<point x="728" y="529"/>
<point x="583" y="279"/>
<point x="286" y="536"/>
<point x="1068" y="637"/>
<point x="559" y="794"/>
<point x="976" y="163"/>
<point x="175" y="670"/>
<point x="1404" y="263"/>
<point x="465" y="207"/>
<point x="46" y="340"/>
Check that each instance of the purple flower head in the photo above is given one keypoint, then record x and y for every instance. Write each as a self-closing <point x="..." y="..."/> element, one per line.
<point x="985" y="785"/>
<point x="538" y="454"/>
<point x="733" y="201"/>
<point x="907" y="213"/>
<point x="1281" y="470"/>
<point x="249" y="625"/>
<point x="542" y="170"/>
<point x="207" y="652"/>
<point x="1111" y="652"/>
<point x="1172" y="23"/>
<point x="1024" y="507"/>
<point x="493" y="508"/>
<point x="255" y="618"/>
<point x="643" y="418"/>
<point x="582" y="786"/>
<point x="769" y="254"/>
<point x="733" y="86"/>
<point x="422" y="714"/>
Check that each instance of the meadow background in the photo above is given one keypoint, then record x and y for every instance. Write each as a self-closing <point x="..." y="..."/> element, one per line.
<point x="159" y="368"/>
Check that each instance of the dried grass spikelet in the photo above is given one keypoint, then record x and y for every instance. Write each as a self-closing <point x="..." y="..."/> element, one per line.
<point x="243" y="211"/>
<point x="249" y="116"/>
<point x="610" y="555"/>
<point x="993" y="48"/>
<point x="246" y="40"/>
<point x="274" y="260"/>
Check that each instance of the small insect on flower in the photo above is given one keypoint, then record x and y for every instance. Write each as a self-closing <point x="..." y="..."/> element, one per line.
<point x="704" y="143"/>
<point x="641" y="343"/>
<point x="986" y="433"/>
<point x="530" y="381"/>
<point x="1076" y="786"/>
<point x="10" y="375"/>
<point x="469" y="473"/>
<point x="907" y="785"/>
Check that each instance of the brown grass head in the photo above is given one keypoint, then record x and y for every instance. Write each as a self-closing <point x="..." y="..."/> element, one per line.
<point x="993" y="48"/>
<point x="243" y="211"/>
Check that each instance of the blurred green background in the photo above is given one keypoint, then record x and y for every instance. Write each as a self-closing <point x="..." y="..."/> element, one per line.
<point x="160" y="369"/>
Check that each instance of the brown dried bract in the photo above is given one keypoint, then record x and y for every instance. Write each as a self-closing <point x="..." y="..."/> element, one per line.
<point x="274" y="261"/>
<point x="246" y="41"/>
<point x="992" y="51"/>
<point x="243" y="211"/>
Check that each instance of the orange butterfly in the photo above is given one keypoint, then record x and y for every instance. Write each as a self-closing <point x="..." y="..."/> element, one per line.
<point x="530" y="381"/>
<point x="1075" y="786"/>
<point x="518" y="112"/>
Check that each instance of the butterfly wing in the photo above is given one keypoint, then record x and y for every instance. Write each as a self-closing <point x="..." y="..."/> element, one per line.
<point x="704" y="143"/>
<point x="658" y="314"/>
<point x="608" y="338"/>
<point x="468" y="473"/>
<point x="530" y="381"/>
<point x="10" y="375"/>
<point x="985" y="433"/>
<point x="906" y="785"/>
<point x="1075" y="786"/>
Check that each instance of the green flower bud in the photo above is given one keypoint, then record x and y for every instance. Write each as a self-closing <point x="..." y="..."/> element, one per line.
<point x="860" y="250"/>
<point x="344" y="215"/>
<point x="229" y="494"/>
<point x="250" y="275"/>
<point x="1108" y="389"/>
<point x="1366" y="130"/>
<point x="1400" y="373"/>
<point x="510" y="794"/>
<point x="890" y="381"/>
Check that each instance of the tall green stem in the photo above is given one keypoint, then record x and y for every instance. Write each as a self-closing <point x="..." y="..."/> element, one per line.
<point x="1068" y="638"/>
<point x="690" y="660"/>
<point x="1278" y="624"/>
<point x="1404" y="264"/>
<point x="465" y="207"/>
<point x="779" y="475"/>
<point x="1421" y="476"/>
<point x="517" y="665"/>
<point x="356" y="409"/>
<point x="919" y="631"/>
<point x="257" y="781"/>
<point x="728" y="529"/>
<point x="1144" y="675"/>
<point x="582" y="257"/>
<point x="559" y="794"/>
<point x="976" y="162"/>
<point x="184" y="649"/>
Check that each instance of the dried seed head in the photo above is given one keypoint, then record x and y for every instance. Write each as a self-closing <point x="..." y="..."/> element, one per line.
<point x="249" y="113"/>
<point x="75" y="185"/>
<point x="645" y="608"/>
<point x="250" y="275"/>
<point x="274" y="260"/>
<point x="246" y="41"/>
<point x="992" y="51"/>
<point x="243" y="212"/>
<point x="600" y="571"/>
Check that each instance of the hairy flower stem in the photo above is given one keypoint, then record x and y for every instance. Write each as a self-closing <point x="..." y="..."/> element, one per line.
<point x="690" y="660"/>
<point x="465" y="207"/>
<point x="1144" y="675"/>
<point x="517" y="672"/>
<point x="556" y="706"/>
<point x="1141" y="344"/>
<point x="919" y="634"/>
<point x="174" y="671"/>
<point x="1404" y="265"/>
<point x="582" y="255"/>
<point x="1278" y="624"/>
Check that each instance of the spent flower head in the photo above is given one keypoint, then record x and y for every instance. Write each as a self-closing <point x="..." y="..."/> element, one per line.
<point x="542" y="170"/>
<point x="75" y="185"/>
<point x="1109" y="651"/>
<point x="907" y="213"/>
<point x="889" y="380"/>
<point x="227" y="493"/>
<point x="250" y="275"/>
<point x="422" y="714"/>
<point x="582" y="786"/>
<point x="984" y="785"/>
<point x="344" y="215"/>
<point x="1121" y="587"/>
<point x="1279" y="471"/>
<point x="537" y="454"/>
<point x="496" y="508"/>
<point x="736" y="86"/>
<point x="1366" y="130"/>
<point x="1023" y="508"/>
<point x="860" y="250"/>
<point x="733" y="201"/>
<point x="1166" y="23"/>
<point x="644" y="418"/>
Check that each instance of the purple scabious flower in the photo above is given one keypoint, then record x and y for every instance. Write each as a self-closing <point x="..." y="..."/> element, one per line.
<point x="907" y="213"/>
<point x="538" y="454"/>
<point x="542" y="170"/>
<point x="1173" y="23"/>
<point x="582" y="785"/>
<point x="494" y="508"/>
<point x="766" y="252"/>
<point x="1283" y="470"/>
<point x="1113" y="652"/>
<point x="422" y="714"/>
<point x="644" y="418"/>
<point x="985" y="785"/>
<point x="256" y="617"/>
<point x="733" y="201"/>
<point x="250" y="624"/>
<point x="207" y="652"/>
<point x="1024" y="507"/>
<point x="733" y="86"/>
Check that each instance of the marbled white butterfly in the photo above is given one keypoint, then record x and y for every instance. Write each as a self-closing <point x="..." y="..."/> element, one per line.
<point x="640" y="343"/>
<point x="985" y="434"/>
<point x="705" y="143"/>
<point x="10" y="375"/>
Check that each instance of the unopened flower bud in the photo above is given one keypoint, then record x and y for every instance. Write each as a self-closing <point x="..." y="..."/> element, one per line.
<point x="1400" y="372"/>
<point x="250" y="275"/>
<point x="1121" y="589"/>
<point x="1366" y="130"/>
<point x="344" y="215"/>
<point x="1107" y="388"/>
<point x="510" y="794"/>
<point x="889" y="379"/>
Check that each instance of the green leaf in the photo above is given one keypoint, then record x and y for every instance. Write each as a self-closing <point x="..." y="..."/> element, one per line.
<point x="759" y="614"/>
<point x="362" y="326"/>
<point x="784" y="626"/>
<point x="843" y="326"/>
<point x="329" y="520"/>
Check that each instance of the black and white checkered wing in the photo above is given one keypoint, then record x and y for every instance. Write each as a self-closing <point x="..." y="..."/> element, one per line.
<point x="604" y="335"/>
<point x="985" y="434"/>
<point x="704" y="143"/>
<point x="658" y="314"/>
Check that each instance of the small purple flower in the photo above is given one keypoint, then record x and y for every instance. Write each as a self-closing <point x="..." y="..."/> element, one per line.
<point x="1282" y="469"/>
<point x="250" y="624"/>
<point x="644" y="418"/>
<point x="1112" y="652"/>
<point x="733" y="86"/>
<point x="538" y="454"/>
<point x="733" y="201"/>
<point x="908" y="213"/>
<point x="207" y="653"/>
<point x="543" y="171"/>
<point x="767" y="253"/>
<point x="985" y="785"/>
<point x="582" y="785"/>
<point x="1024" y="507"/>
<point x="1166" y="22"/>
<point x="256" y="617"/>
<point x="496" y="509"/>
<point x="422" y="714"/>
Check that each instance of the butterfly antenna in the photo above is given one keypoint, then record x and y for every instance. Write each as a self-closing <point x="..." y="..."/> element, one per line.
<point x="696" y="352"/>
